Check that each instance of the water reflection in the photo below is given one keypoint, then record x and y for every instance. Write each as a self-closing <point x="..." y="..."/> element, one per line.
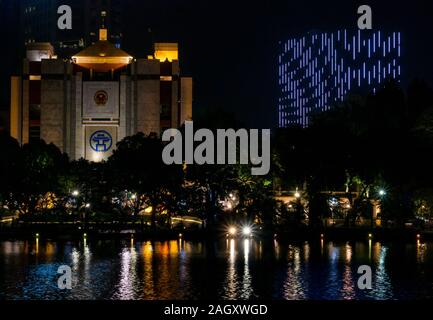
<point x="369" y="249"/>
<point x="348" y="285"/>
<point x="333" y="279"/>
<point x="247" y="289"/>
<point x="149" y="285"/>
<point x="260" y="250"/>
<point x="421" y="249"/>
<point x="306" y="249"/>
<point x="293" y="285"/>
<point x="230" y="292"/>
<point x="382" y="288"/>
<point x="233" y="269"/>
<point x="348" y="249"/>
<point x="128" y="275"/>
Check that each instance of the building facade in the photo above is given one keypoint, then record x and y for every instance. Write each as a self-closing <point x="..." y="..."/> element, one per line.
<point x="86" y="104"/>
<point x="318" y="70"/>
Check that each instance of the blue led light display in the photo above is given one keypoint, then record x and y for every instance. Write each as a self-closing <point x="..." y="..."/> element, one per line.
<point x="318" y="70"/>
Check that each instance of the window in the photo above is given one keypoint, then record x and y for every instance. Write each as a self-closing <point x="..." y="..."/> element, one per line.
<point x="165" y="112"/>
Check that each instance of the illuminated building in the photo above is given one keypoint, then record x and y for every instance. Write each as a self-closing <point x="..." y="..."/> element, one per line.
<point x="87" y="104"/>
<point x="318" y="70"/>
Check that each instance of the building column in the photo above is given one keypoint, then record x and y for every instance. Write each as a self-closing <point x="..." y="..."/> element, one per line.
<point x="16" y="109"/>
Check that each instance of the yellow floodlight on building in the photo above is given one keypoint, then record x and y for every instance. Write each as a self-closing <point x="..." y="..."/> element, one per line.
<point x="166" y="52"/>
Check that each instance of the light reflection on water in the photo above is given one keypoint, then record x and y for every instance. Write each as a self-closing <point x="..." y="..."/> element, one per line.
<point x="247" y="286"/>
<point x="230" y="287"/>
<point x="293" y="284"/>
<point x="231" y="269"/>
<point x="347" y="290"/>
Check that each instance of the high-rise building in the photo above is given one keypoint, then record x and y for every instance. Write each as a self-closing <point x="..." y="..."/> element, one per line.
<point x="39" y="23"/>
<point x="9" y="33"/>
<point x="3" y="120"/>
<point x="86" y="104"/>
<point x="318" y="70"/>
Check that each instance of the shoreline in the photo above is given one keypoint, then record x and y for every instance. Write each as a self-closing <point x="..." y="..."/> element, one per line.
<point x="334" y="234"/>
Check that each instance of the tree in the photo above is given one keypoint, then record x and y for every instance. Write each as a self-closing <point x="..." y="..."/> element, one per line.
<point x="137" y="167"/>
<point x="8" y="164"/>
<point x="36" y="177"/>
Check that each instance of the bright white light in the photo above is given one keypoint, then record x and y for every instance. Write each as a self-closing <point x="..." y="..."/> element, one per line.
<point x="246" y="231"/>
<point x="297" y="194"/>
<point x="232" y="231"/>
<point x="382" y="192"/>
<point x="333" y="202"/>
<point x="97" y="156"/>
<point x="75" y="193"/>
<point x="134" y="196"/>
<point x="87" y="205"/>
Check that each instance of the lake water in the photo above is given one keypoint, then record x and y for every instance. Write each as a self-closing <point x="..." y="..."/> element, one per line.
<point x="229" y="269"/>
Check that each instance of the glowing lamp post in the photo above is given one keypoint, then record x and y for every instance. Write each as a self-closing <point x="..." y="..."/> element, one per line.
<point x="247" y="231"/>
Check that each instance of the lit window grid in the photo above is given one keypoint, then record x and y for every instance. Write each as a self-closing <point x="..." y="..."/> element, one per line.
<point x="318" y="70"/>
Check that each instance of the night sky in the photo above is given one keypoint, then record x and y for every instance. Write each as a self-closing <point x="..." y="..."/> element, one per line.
<point x="230" y="47"/>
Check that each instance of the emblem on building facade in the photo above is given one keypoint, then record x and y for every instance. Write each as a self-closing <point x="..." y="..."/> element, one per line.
<point x="101" y="98"/>
<point x="101" y="141"/>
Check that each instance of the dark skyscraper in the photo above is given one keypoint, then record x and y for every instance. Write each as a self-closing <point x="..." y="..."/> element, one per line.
<point x="9" y="13"/>
<point x="39" y="23"/>
<point x="320" y="69"/>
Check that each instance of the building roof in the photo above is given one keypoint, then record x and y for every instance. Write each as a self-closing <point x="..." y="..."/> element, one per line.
<point x="103" y="56"/>
<point x="102" y="48"/>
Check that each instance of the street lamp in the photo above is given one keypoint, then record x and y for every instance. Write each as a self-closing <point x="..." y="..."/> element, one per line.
<point x="74" y="201"/>
<point x="232" y="231"/>
<point x="382" y="192"/>
<point x="246" y="231"/>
